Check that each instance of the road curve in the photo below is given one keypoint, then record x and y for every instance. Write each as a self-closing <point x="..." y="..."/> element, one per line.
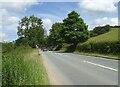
<point x="74" y="69"/>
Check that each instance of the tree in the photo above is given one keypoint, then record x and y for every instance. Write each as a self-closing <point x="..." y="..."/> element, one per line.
<point x="99" y="30"/>
<point x="74" y="29"/>
<point x="54" y="39"/>
<point x="32" y="30"/>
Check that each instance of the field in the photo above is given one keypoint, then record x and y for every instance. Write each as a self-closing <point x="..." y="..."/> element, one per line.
<point x="23" y="66"/>
<point x="111" y="36"/>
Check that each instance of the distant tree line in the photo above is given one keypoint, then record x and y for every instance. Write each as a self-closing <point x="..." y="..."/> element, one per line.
<point x="99" y="30"/>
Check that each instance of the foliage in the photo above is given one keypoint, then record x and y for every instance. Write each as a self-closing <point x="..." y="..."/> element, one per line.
<point x="74" y="29"/>
<point x="107" y="43"/>
<point x="30" y="30"/>
<point x="54" y="39"/>
<point x="101" y="47"/>
<point x="99" y="30"/>
<point x="111" y="36"/>
<point x="7" y="47"/>
<point x="22" y="66"/>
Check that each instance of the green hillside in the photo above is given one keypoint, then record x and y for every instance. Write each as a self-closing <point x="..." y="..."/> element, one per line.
<point x="110" y="36"/>
<point x="106" y="44"/>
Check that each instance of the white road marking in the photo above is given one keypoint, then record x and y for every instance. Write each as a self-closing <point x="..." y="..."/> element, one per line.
<point x="65" y="55"/>
<point x="101" y="66"/>
<point x="58" y="53"/>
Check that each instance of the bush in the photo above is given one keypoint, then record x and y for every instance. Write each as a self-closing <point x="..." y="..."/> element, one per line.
<point x="101" y="47"/>
<point x="99" y="30"/>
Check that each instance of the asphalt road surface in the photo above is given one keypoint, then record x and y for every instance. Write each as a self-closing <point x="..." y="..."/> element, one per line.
<point x="75" y="69"/>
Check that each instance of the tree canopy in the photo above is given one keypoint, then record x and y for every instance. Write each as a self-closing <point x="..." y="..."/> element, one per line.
<point x="99" y="30"/>
<point x="54" y="38"/>
<point x="71" y="31"/>
<point x="31" y="31"/>
<point x="74" y="29"/>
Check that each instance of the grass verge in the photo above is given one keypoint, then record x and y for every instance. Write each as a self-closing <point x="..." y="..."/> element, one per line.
<point x="109" y="56"/>
<point x="23" y="66"/>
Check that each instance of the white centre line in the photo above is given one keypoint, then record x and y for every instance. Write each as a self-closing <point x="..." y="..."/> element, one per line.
<point x="58" y="53"/>
<point x="101" y="66"/>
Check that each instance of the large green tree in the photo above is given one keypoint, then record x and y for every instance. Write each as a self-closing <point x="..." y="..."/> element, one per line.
<point x="31" y="31"/>
<point x="54" y="38"/>
<point x="74" y="30"/>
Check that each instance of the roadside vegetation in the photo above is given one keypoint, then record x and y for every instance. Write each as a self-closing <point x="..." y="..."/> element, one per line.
<point x="110" y="36"/>
<point x="21" y="62"/>
<point x="72" y="35"/>
<point x="22" y="66"/>
<point x="107" y="44"/>
<point x="72" y="31"/>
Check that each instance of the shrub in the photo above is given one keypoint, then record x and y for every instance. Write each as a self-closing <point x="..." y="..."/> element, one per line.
<point x="101" y="47"/>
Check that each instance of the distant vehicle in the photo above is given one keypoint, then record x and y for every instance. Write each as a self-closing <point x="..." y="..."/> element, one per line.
<point x="50" y="49"/>
<point x="44" y="49"/>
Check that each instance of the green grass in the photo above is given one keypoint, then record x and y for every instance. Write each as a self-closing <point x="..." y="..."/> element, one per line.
<point x="111" y="36"/>
<point x="109" y="56"/>
<point x="23" y="66"/>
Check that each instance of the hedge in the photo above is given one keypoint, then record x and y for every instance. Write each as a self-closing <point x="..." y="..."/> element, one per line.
<point x="101" y="47"/>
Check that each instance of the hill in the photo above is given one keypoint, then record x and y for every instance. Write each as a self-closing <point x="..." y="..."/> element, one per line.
<point x="107" y="43"/>
<point x="111" y="36"/>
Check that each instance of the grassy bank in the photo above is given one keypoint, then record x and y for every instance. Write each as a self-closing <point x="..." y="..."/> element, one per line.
<point x="111" y="36"/>
<point x="105" y="45"/>
<point x="23" y="66"/>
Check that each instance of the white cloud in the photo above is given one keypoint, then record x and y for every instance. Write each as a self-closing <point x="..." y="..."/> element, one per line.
<point x="10" y="21"/>
<point x="6" y="20"/>
<point x="47" y="23"/>
<point x="2" y="36"/>
<point x="3" y="13"/>
<point x="99" y="5"/>
<point x="119" y="22"/>
<point x="50" y="16"/>
<point x="106" y="20"/>
<point x="17" y="5"/>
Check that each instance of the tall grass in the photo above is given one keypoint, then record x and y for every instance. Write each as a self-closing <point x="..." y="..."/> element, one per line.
<point x="23" y="66"/>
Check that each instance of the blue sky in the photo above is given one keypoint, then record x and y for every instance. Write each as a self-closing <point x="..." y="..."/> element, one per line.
<point x="93" y="12"/>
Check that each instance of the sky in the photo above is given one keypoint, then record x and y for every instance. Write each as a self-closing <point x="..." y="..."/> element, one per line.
<point x="94" y="13"/>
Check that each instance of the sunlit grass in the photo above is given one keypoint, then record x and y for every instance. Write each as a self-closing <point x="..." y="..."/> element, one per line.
<point x="23" y="66"/>
<point x="111" y="36"/>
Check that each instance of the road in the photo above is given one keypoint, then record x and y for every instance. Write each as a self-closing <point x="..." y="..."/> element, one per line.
<point x="75" y="69"/>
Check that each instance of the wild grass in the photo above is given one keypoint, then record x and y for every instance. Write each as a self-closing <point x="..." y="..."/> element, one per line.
<point x="23" y="66"/>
